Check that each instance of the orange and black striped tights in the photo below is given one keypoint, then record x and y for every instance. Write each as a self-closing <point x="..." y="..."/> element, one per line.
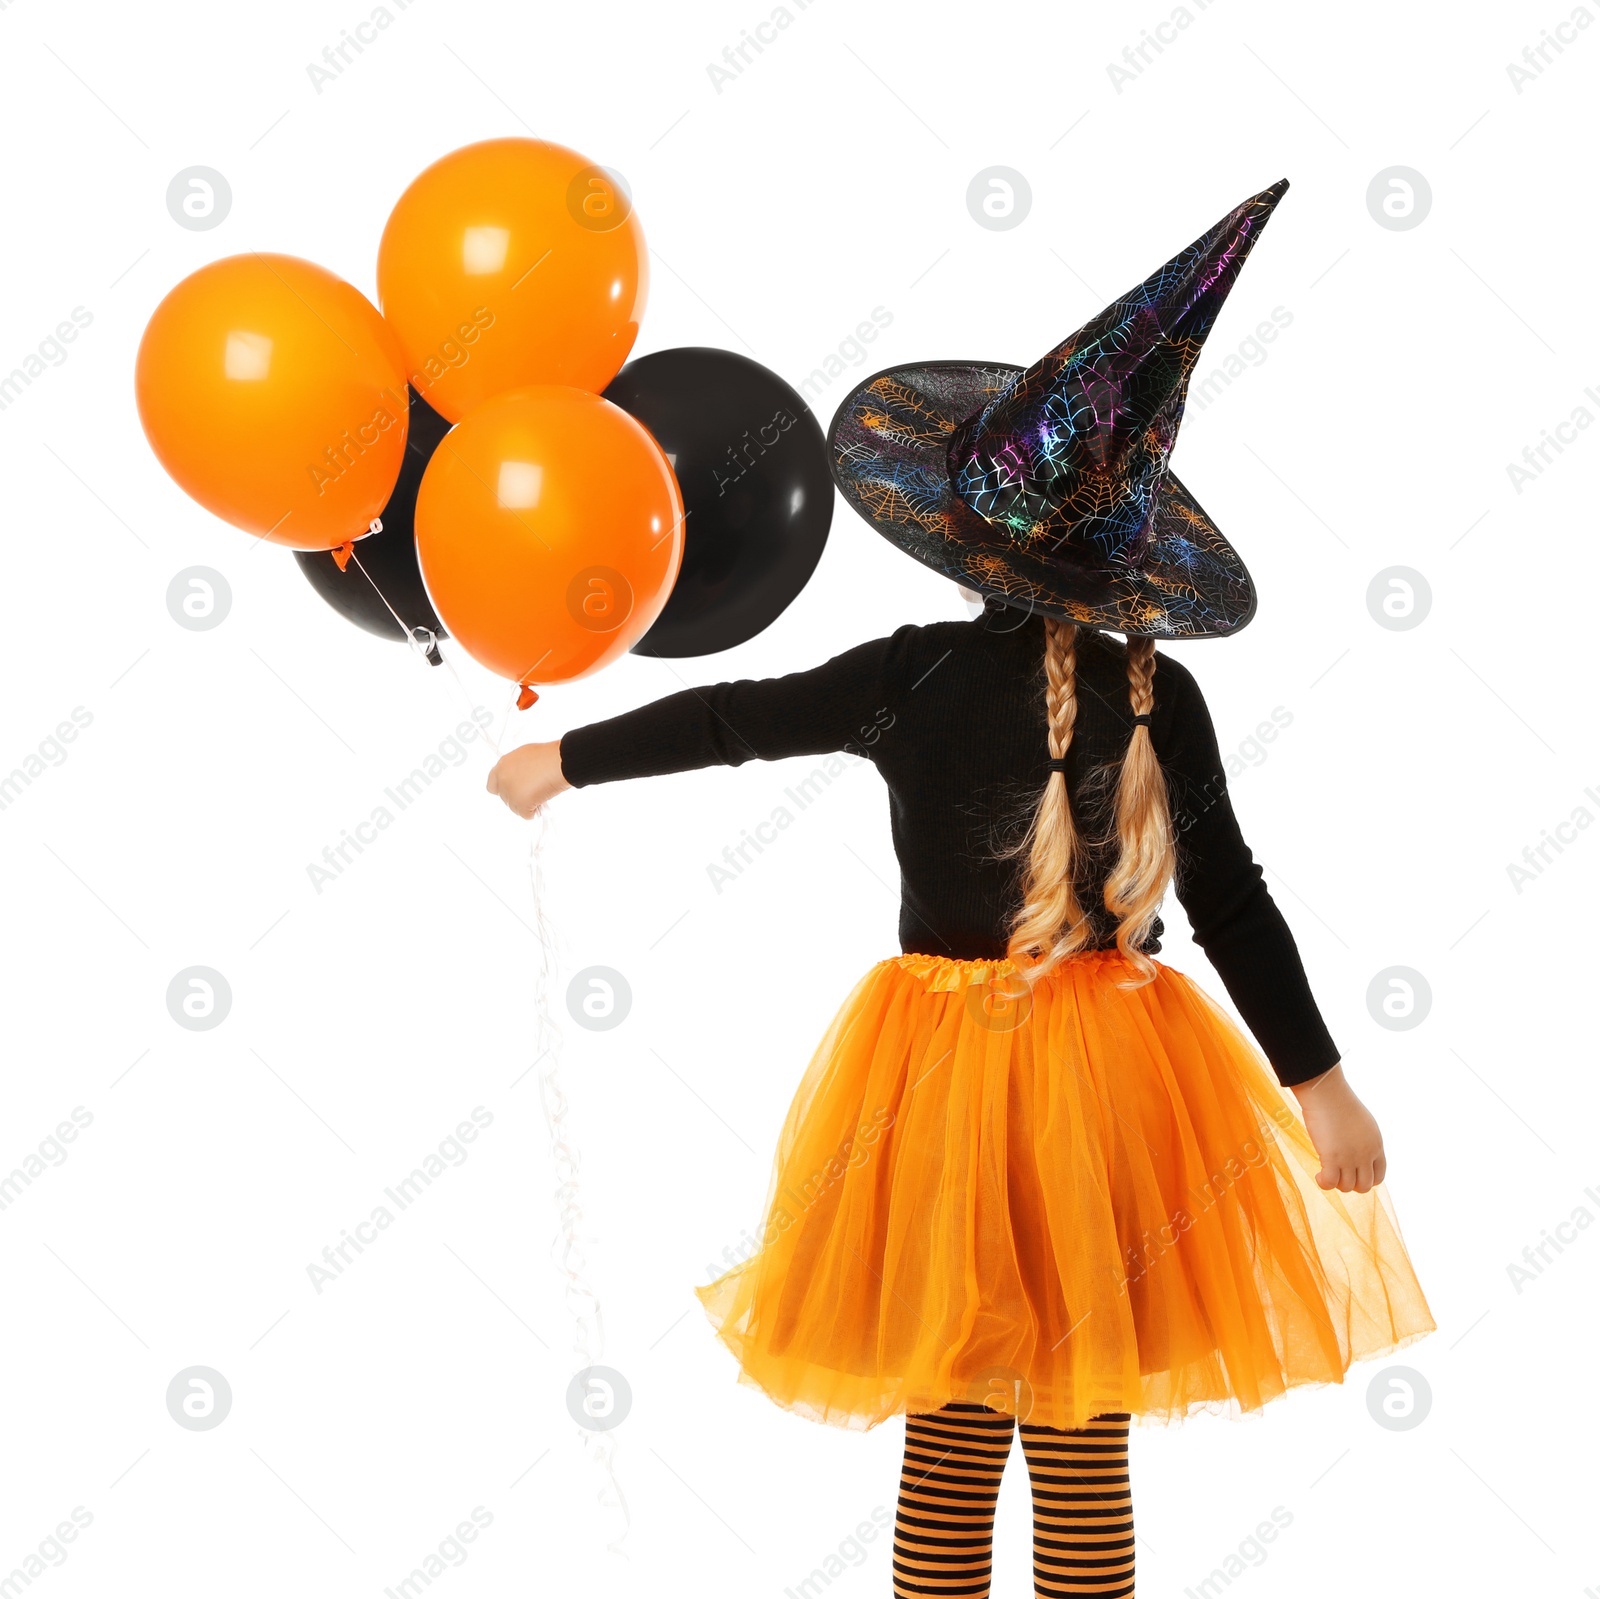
<point x="1082" y="1505"/>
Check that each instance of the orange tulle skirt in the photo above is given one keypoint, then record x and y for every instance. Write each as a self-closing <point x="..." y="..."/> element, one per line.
<point x="1092" y="1199"/>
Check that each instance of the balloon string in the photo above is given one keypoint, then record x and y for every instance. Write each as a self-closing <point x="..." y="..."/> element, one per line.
<point x="583" y="1306"/>
<point x="588" y="1322"/>
<point x="488" y="736"/>
<point x="409" y="632"/>
<point x="428" y="643"/>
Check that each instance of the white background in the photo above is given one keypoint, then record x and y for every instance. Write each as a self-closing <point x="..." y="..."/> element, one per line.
<point x="828" y="178"/>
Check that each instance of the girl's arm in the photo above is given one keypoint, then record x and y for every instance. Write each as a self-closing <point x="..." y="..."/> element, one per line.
<point x="1236" y="922"/>
<point x="835" y="706"/>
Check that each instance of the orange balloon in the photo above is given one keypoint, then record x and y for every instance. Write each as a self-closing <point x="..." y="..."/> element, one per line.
<point x="273" y="394"/>
<point x="509" y="263"/>
<point x="549" y="530"/>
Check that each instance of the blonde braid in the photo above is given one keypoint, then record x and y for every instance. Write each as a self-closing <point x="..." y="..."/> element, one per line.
<point x="1144" y="868"/>
<point x="1051" y="925"/>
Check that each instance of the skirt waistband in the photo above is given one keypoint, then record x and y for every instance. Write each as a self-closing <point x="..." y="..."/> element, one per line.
<point x="942" y="972"/>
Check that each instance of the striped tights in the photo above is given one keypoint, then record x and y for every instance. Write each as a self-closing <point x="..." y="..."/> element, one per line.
<point x="1082" y="1505"/>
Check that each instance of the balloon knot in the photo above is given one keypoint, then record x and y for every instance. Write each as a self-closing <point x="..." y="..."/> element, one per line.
<point x="525" y="697"/>
<point x="341" y="556"/>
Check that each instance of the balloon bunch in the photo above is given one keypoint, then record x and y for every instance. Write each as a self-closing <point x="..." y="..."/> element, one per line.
<point x="477" y="450"/>
<point x="475" y="461"/>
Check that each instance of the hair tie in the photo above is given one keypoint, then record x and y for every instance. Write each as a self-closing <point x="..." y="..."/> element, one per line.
<point x="1142" y="719"/>
<point x="1057" y="763"/>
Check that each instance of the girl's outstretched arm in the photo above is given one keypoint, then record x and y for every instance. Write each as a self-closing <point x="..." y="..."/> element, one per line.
<point x="835" y="706"/>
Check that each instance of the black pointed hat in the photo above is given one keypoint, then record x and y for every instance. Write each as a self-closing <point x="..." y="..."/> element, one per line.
<point x="1048" y="487"/>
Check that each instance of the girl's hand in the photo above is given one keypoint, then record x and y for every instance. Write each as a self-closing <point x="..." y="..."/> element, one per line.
<point x="527" y="777"/>
<point x="1345" y="1133"/>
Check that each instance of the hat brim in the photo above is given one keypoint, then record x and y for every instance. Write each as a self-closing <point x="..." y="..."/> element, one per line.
<point x="887" y="447"/>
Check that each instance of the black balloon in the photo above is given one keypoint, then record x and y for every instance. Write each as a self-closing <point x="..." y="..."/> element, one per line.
<point x="390" y="557"/>
<point x="757" y="494"/>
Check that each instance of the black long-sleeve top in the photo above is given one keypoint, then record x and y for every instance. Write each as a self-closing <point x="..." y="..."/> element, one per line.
<point x="953" y="717"/>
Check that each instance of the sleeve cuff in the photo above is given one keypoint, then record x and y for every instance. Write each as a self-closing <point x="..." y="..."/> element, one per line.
<point x="1302" y="1066"/>
<point x="571" y="754"/>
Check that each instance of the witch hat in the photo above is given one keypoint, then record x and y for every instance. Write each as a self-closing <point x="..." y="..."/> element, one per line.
<point x="1048" y="487"/>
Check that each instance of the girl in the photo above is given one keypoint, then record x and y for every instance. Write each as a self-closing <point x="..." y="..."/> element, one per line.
<point x="1033" y="1177"/>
